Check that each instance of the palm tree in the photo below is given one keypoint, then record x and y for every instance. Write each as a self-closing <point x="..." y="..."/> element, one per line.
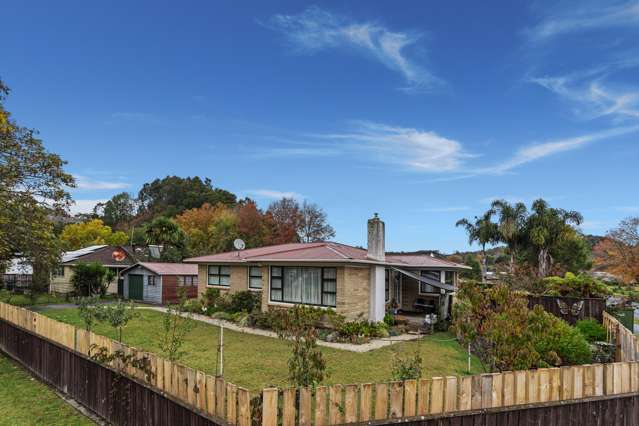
<point x="546" y="228"/>
<point x="164" y="232"/>
<point x="483" y="231"/>
<point x="512" y="220"/>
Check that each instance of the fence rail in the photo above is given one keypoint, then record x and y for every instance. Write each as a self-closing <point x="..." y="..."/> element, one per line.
<point x="627" y="344"/>
<point x="340" y="404"/>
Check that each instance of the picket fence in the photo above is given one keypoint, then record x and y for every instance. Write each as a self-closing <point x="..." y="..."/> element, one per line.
<point x="353" y="403"/>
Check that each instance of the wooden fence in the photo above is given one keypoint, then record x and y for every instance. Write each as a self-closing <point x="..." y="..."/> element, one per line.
<point x="410" y="400"/>
<point x="627" y="344"/>
<point x="566" y="307"/>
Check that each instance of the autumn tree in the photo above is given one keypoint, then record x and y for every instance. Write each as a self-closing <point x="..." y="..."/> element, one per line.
<point x="286" y="219"/>
<point x="33" y="187"/>
<point x="253" y="226"/>
<point x="94" y="232"/>
<point x="208" y="229"/>
<point x="313" y="224"/>
<point x="619" y="251"/>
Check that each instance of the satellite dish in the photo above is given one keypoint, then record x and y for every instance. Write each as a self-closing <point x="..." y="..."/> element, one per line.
<point x="239" y="244"/>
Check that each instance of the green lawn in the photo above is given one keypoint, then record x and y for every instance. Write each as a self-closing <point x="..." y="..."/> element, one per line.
<point x="256" y="362"/>
<point x="26" y="401"/>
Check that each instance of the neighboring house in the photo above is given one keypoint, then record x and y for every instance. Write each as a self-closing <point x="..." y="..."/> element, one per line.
<point x="159" y="282"/>
<point x="116" y="258"/>
<point x="355" y="281"/>
<point x="18" y="275"/>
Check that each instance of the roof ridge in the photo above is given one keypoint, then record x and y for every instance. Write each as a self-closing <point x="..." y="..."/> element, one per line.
<point x="330" y="247"/>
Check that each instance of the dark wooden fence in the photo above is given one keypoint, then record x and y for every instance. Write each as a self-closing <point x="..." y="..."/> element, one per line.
<point x="567" y="307"/>
<point x="613" y="411"/>
<point x="118" y="399"/>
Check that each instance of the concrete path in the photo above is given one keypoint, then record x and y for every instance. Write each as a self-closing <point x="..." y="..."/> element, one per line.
<point x="365" y="347"/>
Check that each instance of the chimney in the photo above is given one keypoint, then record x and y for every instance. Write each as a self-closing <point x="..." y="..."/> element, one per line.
<point x="376" y="236"/>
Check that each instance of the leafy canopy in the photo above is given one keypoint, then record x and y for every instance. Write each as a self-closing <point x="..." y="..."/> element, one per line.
<point x="93" y="232"/>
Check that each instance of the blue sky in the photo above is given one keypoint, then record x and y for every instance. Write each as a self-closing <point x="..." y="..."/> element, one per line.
<point x="421" y="111"/>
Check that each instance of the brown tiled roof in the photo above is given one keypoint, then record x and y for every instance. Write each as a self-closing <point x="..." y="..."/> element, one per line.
<point x="103" y="255"/>
<point x="321" y="252"/>
<point x="168" y="268"/>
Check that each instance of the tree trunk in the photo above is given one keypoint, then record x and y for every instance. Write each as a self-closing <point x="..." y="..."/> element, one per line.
<point x="543" y="260"/>
<point x="512" y="262"/>
<point x="484" y="264"/>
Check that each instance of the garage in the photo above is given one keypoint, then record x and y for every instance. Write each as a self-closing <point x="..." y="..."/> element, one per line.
<point x="159" y="283"/>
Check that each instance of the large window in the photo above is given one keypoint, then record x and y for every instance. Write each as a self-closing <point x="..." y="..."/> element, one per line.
<point x="427" y="288"/>
<point x="255" y="277"/>
<point x="307" y="285"/>
<point x="219" y="275"/>
<point x="449" y="277"/>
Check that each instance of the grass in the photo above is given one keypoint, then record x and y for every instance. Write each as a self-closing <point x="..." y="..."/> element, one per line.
<point x="18" y="299"/>
<point x="26" y="401"/>
<point x="256" y="362"/>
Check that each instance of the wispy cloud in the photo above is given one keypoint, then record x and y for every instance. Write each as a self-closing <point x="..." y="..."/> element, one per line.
<point x="84" y="182"/>
<point x="586" y="18"/>
<point x="272" y="194"/>
<point x="317" y="29"/>
<point x="592" y="98"/>
<point x="408" y="147"/>
<point x="541" y="150"/>
<point x="84" y="206"/>
<point x="308" y="151"/>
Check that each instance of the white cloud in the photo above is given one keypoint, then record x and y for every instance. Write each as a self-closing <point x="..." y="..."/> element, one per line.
<point x="296" y="152"/>
<point x="541" y="150"/>
<point x="412" y="148"/>
<point x="592" y="98"/>
<point x="84" y="182"/>
<point x="316" y="29"/>
<point x="586" y="18"/>
<point x="273" y="194"/>
<point x="84" y="206"/>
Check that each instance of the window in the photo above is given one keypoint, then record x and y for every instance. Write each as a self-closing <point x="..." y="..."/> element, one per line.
<point x="307" y="285"/>
<point x="255" y="277"/>
<point x="219" y="275"/>
<point x="433" y="275"/>
<point x="187" y="280"/>
<point x="387" y="286"/>
<point x="58" y="271"/>
<point x="152" y="280"/>
<point x="449" y="277"/>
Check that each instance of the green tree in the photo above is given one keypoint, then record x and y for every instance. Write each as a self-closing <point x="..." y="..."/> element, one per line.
<point x="89" y="311"/>
<point x="172" y="195"/>
<point x="94" y="232"/>
<point x="118" y="315"/>
<point x="512" y="219"/>
<point x="91" y="278"/>
<point x="483" y="231"/>
<point x="176" y="324"/>
<point x="33" y="187"/>
<point x="119" y="211"/>
<point x="546" y="229"/>
<point x="164" y="232"/>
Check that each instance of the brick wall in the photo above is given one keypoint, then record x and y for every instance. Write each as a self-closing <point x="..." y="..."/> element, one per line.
<point x="353" y="283"/>
<point x="239" y="279"/>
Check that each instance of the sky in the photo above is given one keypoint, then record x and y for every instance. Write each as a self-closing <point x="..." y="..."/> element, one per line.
<point x="424" y="112"/>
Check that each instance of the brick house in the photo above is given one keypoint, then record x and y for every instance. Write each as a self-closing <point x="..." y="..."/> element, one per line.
<point x="354" y="281"/>
<point x="156" y="282"/>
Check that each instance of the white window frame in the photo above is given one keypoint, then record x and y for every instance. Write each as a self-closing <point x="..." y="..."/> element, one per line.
<point x="249" y="276"/>
<point x="219" y="275"/>
<point x="419" y="283"/>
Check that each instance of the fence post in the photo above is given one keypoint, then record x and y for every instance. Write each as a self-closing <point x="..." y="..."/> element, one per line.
<point x="365" y="402"/>
<point x="269" y="407"/>
<point x="305" y="407"/>
<point x="288" y="407"/>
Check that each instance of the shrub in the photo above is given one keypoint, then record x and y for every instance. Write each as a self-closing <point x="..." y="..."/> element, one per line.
<point x="572" y="285"/>
<point x="89" y="311"/>
<point x="211" y="299"/>
<point x="176" y="325"/>
<point x="244" y="301"/>
<point x="592" y="330"/>
<point x="90" y="278"/>
<point x="389" y="320"/>
<point x="407" y="367"/>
